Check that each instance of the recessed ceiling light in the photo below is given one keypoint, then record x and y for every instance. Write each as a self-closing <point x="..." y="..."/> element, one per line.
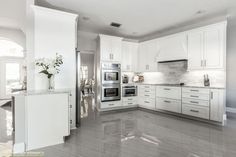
<point x="114" y="24"/>
<point x="134" y="33"/>
<point x="199" y="12"/>
<point x="85" y="18"/>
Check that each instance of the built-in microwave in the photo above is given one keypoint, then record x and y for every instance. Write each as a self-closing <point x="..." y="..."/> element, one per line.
<point x="111" y="92"/>
<point x="111" y="73"/>
<point x="129" y="91"/>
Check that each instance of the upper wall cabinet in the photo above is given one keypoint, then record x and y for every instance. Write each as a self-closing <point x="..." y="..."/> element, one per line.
<point x="148" y="52"/>
<point x="173" y="47"/>
<point x="110" y="48"/>
<point x="129" y="56"/>
<point x="207" y="47"/>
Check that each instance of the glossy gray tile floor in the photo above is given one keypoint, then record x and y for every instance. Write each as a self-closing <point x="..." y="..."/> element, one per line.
<point x="139" y="133"/>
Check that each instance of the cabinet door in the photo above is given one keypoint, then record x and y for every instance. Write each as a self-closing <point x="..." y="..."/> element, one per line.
<point x="195" y="50"/>
<point x="125" y="56"/>
<point x="152" y="53"/>
<point x="142" y="57"/>
<point x="116" y="49"/>
<point x="129" y="56"/>
<point x="105" y="48"/>
<point x="214" y="51"/>
<point x="133" y="56"/>
<point x="217" y="105"/>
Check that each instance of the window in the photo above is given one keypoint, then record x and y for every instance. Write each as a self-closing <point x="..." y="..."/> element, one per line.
<point x="12" y="77"/>
<point x="10" y="49"/>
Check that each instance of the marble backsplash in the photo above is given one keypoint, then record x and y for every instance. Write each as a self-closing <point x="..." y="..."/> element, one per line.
<point x="176" y="72"/>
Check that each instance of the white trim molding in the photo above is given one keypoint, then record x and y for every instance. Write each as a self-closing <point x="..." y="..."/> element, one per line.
<point x="231" y="110"/>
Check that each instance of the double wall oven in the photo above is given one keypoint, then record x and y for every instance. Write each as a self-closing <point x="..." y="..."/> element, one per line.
<point x="111" y="79"/>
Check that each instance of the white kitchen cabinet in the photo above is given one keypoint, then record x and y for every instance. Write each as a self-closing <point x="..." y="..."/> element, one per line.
<point x="173" y="47"/>
<point x="195" y="50"/>
<point x="147" y="59"/>
<point x="110" y="48"/>
<point x="217" y="105"/>
<point x="214" y="47"/>
<point x="146" y="96"/>
<point x="206" y="47"/>
<point x="129" y="56"/>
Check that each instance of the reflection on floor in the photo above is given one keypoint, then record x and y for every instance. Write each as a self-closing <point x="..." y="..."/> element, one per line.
<point x="142" y="134"/>
<point x="5" y="130"/>
<point x="87" y="105"/>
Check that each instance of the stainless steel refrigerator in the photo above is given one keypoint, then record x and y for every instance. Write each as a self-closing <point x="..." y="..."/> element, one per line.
<point x="78" y="92"/>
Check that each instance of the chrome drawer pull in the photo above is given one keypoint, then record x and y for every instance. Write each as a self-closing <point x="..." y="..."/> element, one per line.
<point x="146" y="86"/>
<point x="194" y="96"/>
<point x="146" y="95"/>
<point x="166" y="88"/>
<point x="130" y="103"/>
<point x="196" y="111"/>
<point x="111" y="104"/>
<point x="129" y="99"/>
<point x="194" y="102"/>
<point x="146" y="101"/>
<point x="194" y="90"/>
<point x="147" y="91"/>
<point x="167" y="101"/>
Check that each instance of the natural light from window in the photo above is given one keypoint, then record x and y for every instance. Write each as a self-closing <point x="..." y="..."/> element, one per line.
<point x="10" y="49"/>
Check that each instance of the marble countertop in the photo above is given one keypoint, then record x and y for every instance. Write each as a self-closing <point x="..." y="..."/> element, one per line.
<point x="177" y="85"/>
<point x="42" y="92"/>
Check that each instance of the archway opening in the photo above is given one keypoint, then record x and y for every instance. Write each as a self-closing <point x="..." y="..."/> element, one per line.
<point x="12" y="68"/>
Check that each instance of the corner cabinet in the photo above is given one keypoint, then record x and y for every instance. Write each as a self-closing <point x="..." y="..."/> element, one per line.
<point x="147" y="56"/>
<point x="110" y="48"/>
<point x="129" y="56"/>
<point x="207" y="47"/>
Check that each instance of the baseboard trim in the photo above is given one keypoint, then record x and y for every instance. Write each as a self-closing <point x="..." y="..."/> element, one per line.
<point x="231" y="110"/>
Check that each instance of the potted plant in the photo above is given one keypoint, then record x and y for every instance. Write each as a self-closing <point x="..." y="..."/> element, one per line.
<point x="50" y="67"/>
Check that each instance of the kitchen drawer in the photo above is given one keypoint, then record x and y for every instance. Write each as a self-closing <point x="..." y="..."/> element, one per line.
<point x="195" y="102"/>
<point x="147" y="87"/>
<point x="195" y="90"/>
<point x="196" y="96"/>
<point x="168" y="92"/>
<point x="168" y="105"/>
<point x="147" y="95"/>
<point x="147" y="103"/>
<point x="110" y="104"/>
<point x="129" y="103"/>
<point x="128" y="99"/>
<point x="196" y="111"/>
<point x="147" y="91"/>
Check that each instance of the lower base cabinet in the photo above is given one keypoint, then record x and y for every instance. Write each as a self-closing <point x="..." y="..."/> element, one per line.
<point x="168" y="105"/>
<point x="110" y="104"/>
<point x="147" y="103"/>
<point x="195" y="111"/>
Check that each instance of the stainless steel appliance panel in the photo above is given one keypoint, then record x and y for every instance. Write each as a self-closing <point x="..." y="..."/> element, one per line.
<point x="129" y="91"/>
<point x="111" y="92"/>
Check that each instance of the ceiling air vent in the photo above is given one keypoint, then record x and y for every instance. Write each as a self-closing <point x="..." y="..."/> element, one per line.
<point x="117" y="25"/>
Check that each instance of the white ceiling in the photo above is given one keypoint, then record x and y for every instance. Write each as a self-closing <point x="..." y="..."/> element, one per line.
<point x="140" y="18"/>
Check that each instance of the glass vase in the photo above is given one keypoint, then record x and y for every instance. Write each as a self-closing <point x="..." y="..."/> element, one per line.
<point x="51" y="83"/>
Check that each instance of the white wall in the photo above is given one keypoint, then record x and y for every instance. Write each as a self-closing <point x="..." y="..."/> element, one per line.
<point x="231" y="58"/>
<point x="14" y="35"/>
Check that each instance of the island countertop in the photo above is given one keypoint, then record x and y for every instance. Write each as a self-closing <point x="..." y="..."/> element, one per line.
<point x="42" y="92"/>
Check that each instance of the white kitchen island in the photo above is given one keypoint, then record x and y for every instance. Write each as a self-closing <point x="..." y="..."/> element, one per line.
<point x="41" y="118"/>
